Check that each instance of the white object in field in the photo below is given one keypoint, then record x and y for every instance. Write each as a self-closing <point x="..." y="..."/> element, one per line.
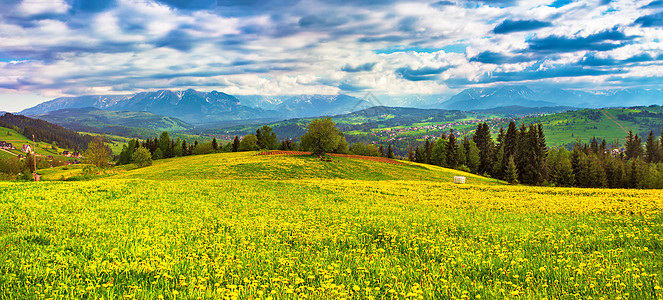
<point x="459" y="179"/>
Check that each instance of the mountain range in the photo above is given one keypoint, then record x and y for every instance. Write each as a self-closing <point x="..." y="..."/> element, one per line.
<point x="494" y="97"/>
<point x="217" y="109"/>
<point x="206" y="107"/>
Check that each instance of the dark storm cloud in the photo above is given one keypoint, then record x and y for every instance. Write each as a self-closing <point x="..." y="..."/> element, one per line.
<point x="601" y="41"/>
<point x="509" y="26"/>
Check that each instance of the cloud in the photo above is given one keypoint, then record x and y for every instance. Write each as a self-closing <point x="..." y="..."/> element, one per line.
<point x="654" y="4"/>
<point x="655" y="20"/>
<point x="488" y="57"/>
<point x="509" y="26"/>
<point x="425" y="73"/>
<point x="360" y="68"/>
<point x="177" y="39"/>
<point x="443" y="3"/>
<point x="601" y="41"/>
<point x="92" y="6"/>
<point x="592" y="60"/>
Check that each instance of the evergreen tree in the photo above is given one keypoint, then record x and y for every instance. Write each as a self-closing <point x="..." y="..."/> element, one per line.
<point x="267" y="138"/>
<point x="485" y="144"/>
<point x="164" y="144"/>
<point x="452" y="151"/>
<point x="597" y="176"/>
<point x="215" y="145"/>
<point x="511" y="171"/>
<point x="419" y="155"/>
<point x="594" y="145"/>
<point x="561" y="172"/>
<point x="410" y="153"/>
<point x="185" y="149"/>
<point x="438" y="156"/>
<point x="498" y="164"/>
<point x="390" y="152"/>
<point x="381" y="151"/>
<point x="633" y="146"/>
<point x="428" y="149"/>
<point x="472" y="157"/>
<point x="126" y="155"/>
<point x="235" y="144"/>
<point x="510" y="143"/>
<point x="652" y="149"/>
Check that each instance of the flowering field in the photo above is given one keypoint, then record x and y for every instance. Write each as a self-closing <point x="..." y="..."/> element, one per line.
<point x="295" y="227"/>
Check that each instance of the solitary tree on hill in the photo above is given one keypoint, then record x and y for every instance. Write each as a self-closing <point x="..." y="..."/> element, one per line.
<point x="97" y="153"/>
<point x="322" y="136"/>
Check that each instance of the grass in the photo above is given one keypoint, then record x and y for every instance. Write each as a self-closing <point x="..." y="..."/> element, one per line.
<point x="240" y="226"/>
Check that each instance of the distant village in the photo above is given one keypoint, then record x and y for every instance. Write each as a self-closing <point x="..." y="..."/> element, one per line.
<point x="25" y="148"/>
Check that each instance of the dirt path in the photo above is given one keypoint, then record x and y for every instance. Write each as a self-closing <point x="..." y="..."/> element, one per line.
<point x="9" y="152"/>
<point x="613" y="119"/>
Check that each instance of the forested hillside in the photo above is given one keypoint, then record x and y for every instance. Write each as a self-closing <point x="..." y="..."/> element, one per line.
<point x="46" y="132"/>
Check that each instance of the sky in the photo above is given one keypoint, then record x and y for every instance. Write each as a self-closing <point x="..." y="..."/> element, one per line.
<point x="54" y="48"/>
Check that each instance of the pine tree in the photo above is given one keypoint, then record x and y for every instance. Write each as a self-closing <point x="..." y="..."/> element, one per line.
<point x="419" y="155"/>
<point x="390" y="152"/>
<point x="633" y="146"/>
<point x="428" y="148"/>
<point x="485" y="144"/>
<point x="452" y="151"/>
<point x="542" y="155"/>
<point x="498" y="163"/>
<point x="235" y="144"/>
<point x="594" y="145"/>
<point x="185" y="149"/>
<point x="381" y="151"/>
<point x="410" y="153"/>
<point x="510" y="143"/>
<point x="652" y="149"/>
<point x="215" y="145"/>
<point x="511" y="171"/>
<point x="438" y="156"/>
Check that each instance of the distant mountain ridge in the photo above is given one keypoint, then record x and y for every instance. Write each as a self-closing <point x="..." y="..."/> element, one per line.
<point x="207" y="107"/>
<point x="124" y="123"/>
<point x="494" y="97"/>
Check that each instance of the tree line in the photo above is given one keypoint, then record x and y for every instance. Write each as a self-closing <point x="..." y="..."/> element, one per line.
<point x="520" y="155"/>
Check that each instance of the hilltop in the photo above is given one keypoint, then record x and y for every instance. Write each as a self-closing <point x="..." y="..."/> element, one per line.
<point x="250" y="166"/>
